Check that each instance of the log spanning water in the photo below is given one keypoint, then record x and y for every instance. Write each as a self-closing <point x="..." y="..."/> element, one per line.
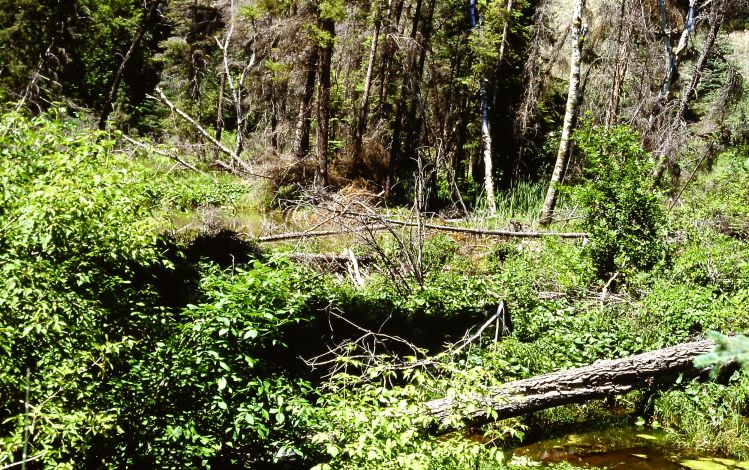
<point x="598" y="380"/>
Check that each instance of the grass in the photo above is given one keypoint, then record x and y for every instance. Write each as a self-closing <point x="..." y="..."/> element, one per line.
<point x="708" y="418"/>
<point x="522" y="205"/>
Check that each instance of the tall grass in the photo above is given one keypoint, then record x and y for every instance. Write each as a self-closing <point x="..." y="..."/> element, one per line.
<point x="521" y="203"/>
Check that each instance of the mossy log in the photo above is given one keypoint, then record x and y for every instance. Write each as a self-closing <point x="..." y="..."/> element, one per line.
<point x="601" y="379"/>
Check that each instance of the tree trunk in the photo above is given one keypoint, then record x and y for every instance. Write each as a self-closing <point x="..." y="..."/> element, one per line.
<point x="486" y="136"/>
<point x="301" y="144"/>
<point x="716" y="20"/>
<point x="107" y="108"/>
<point x="505" y="28"/>
<point x="671" y="64"/>
<point x="361" y="124"/>
<point x="412" y="122"/>
<point x="570" y="115"/>
<point x="599" y="380"/>
<point x="688" y="28"/>
<point x="621" y="65"/>
<point x="323" y="102"/>
<point x="274" y="116"/>
<point x="220" y="107"/>
<point x="390" y="47"/>
<point x="407" y="89"/>
<point x="673" y="58"/>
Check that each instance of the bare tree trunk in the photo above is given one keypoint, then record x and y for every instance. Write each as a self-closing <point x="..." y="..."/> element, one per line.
<point x="622" y="63"/>
<point x="671" y="64"/>
<point x="716" y="20"/>
<point x="486" y="136"/>
<point x="274" y="116"/>
<point x="505" y="29"/>
<point x="107" y="108"/>
<point x="220" y="107"/>
<point x="673" y="58"/>
<point x="688" y="29"/>
<point x="570" y="115"/>
<point x="301" y="144"/>
<point x="323" y="102"/>
<point x="361" y="124"/>
<point x="236" y="88"/>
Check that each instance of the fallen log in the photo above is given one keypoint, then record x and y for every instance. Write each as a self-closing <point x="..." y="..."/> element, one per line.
<point x="319" y="233"/>
<point x="443" y="228"/>
<point x="325" y="258"/>
<point x="488" y="232"/>
<point x="598" y="380"/>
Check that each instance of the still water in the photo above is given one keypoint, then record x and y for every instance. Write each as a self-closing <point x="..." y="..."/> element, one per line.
<point x="629" y="448"/>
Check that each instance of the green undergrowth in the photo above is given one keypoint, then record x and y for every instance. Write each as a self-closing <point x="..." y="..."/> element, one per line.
<point x="708" y="418"/>
<point x="140" y="349"/>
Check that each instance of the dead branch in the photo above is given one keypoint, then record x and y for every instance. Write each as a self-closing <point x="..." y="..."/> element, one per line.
<point x="150" y="148"/>
<point x="325" y="257"/>
<point x="246" y="168"/>
<point x="500" y="314"/>
<point x="488" y="232"/>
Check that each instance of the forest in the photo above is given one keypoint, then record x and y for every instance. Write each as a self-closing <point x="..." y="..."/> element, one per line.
<point x="386" y="234"/>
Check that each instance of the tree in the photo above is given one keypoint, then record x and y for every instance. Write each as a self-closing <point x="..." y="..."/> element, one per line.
<point x="570" y="115"/>
<point x="486" y="136"/>
<point x="106" y="109"/>
<point x="329" y="12"/>
<point x="361" y="123"/>
<point x="56" y="50"/>
<point x="304" y="121"/>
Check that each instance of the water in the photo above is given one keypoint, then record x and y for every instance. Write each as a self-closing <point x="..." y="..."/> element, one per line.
<point x="628" y="448"/>
<point x="250" y="223"/>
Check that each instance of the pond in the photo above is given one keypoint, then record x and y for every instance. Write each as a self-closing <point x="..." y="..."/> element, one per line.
<point x="633" y="448"/>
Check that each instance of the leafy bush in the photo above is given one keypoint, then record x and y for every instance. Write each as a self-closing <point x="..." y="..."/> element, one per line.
<point x="623" y="213"/>
<point x="112" y="376"/>
<point x="373" y="426"/>
<point x="712" y="260"/>
<point x="73" y="230"/>
<point x="720" y="199"/>
<point x="213" y="391"/>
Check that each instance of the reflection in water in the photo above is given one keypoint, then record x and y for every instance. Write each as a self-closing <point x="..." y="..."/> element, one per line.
<point x="628" y="448"/>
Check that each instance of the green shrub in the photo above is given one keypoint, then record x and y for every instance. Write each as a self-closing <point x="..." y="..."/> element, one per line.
<point x="74" y="229"/>
<point x="623" y="213"/>
<point x="113" y="377"/>
<point x="719" y="199"/>
<point x="228" y="399"/>
<point x="712" y="260"/>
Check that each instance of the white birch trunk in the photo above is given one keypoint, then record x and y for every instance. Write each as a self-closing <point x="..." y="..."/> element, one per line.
<point x="570" y="115"/>
<point x="486" y="136"/>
